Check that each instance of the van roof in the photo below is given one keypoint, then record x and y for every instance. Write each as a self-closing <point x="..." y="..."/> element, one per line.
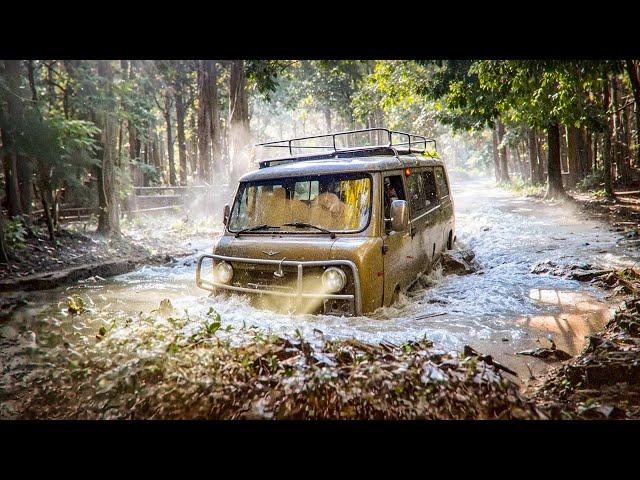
<point x="339" y="164"/>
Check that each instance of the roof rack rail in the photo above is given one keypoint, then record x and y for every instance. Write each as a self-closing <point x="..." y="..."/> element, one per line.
<point x="411" y="143"/>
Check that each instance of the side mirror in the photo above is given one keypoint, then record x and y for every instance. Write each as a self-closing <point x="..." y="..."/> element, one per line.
<point x="399" y="216"/>
<point x="227" y="212"/>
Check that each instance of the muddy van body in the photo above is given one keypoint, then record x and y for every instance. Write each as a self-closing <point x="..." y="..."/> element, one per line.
<point x="341" y="232"/>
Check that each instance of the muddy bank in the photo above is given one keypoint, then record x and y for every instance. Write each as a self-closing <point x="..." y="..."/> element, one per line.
<point x="65" y="276"/>
<point x="78" y="254"/>
<point x="156" y="367"/>
<point x="604" y="380"/>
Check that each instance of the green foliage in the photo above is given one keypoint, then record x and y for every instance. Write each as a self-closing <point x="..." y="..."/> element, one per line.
<point x="525" y="187"/>
<point x="14" y="231"/>
<point x="75" y="305"/>
<point x="592" y="181"/>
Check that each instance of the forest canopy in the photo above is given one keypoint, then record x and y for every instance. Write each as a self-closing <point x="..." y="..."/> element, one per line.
<point x="87" y="132"/>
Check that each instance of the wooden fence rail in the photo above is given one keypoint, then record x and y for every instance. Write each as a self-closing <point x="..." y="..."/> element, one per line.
<point x="166" y="198"/>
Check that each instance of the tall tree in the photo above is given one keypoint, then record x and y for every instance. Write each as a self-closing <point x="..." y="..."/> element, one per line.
<point x="109" y="217"/>
<point x="15" y="165"/>
<point x="209" y="142"/>
<point x="239" y="137"/>
<point x="632" y="67"/>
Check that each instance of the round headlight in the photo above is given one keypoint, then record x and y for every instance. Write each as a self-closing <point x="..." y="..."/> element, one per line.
<point x="334" y="280"/>
<point x="222" y="273"/>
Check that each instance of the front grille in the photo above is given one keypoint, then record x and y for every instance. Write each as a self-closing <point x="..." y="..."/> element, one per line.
<point x="261" y="277"/>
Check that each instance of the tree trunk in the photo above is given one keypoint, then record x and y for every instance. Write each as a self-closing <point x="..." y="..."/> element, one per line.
<point x="496" y="158"/>
<point x="209" y="139"/>
<point x="595" y="152"/>
<point x="606" y="153"/>
<point x="616" y="133"/>
<point x="238" y="120"/>
<point x="4" y="256"/>
<point x="555" y="188"/>
<point x="632" y="71"/>
<point x="532" y="145"/>
<point x="17" y="169"/>
<point x="541" y="160"/>
<point x="44" y="192"/>
<point x="626" y="144"/>
<point x="588" y="152"/>
<point x="573" y="154"/>
<point x="170" y="156"/>
<point x="108" y="219"/>
<point x="327" y="119"/>
<point x="502" y="154"/>
<point x="182" y="143"/>
<point x="193" y="145"/>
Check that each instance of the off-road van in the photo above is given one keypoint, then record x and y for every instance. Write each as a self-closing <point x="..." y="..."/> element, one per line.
<point x="342" y="231"/>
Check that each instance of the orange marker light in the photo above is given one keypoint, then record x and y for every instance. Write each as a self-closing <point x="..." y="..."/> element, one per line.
<point x="407" y="172"/>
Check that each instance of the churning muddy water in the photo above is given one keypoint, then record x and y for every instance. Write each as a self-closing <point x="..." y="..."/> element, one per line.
<point x="500" y="310"/>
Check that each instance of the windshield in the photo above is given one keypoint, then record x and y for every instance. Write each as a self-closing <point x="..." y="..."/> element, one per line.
<point x="339" y="202"/>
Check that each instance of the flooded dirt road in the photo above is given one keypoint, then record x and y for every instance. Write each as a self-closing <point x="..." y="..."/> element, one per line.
<point x="500" y="310"/>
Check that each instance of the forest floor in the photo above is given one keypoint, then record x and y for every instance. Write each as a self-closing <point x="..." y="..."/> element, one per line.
<point x="79" y="252"/>
<point x="622" y="212"/>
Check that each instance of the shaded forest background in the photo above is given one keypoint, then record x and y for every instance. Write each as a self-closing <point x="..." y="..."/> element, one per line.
<point x="88" y="132"/>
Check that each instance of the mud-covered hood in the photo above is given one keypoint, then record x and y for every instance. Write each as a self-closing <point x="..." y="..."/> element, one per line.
<point x="294" y="247"/>
<point x="276" y="247"/>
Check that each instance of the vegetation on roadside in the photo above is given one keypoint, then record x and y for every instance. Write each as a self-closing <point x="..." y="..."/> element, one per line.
<point x="164" y="365"/>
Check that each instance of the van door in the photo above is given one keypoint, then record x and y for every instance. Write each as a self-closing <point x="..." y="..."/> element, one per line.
<point x="432" y="216"/>
<point x="396" y="246"/>
<point x="419" y="222"/>
<point x="445" y="215"/>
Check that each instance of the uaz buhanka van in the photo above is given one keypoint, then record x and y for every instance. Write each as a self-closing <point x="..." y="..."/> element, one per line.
<point x="339" y="232"/>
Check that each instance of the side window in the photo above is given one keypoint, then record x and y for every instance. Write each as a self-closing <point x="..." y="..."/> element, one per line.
<point x="431" y="193"/>
<point x="441" y="180"/>
<point x="417" y="198"/>
<point x="393" y="190"/>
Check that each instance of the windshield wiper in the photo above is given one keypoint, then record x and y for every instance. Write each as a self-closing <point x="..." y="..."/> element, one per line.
<point x="254" y="229"/>
<point x="309" y="225"/>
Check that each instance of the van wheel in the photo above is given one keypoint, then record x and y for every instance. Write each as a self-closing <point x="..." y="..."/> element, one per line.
<point x="450" y="241"/>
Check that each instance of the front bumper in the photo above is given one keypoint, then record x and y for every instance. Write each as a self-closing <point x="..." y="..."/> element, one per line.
<point x="299" y="294"/>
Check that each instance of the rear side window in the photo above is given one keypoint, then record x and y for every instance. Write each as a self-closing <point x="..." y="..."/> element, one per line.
<point x="441" y="181"/>
<point x="430" y="189"/>
<point x="417" y="197"/>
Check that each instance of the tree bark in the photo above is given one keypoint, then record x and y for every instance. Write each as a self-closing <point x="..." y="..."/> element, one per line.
<point x="532" y="145"/>
<point x="4" y="256"/>
<point x="616" y="133"/>
<point x="209" y="145"/>
<point x="632" y="71"/>
<point x="170" y="156"/>
<point x="182" y="143"/>
<point x="573" y="154"/>
<point x="327" y="119"/>
<point x="555" y="189"/>
<point x="18" y="170"/>
<point x="606" y="153"/>
<point x="541" y="160"/>
<point x="502" y="154"/>
<point x="109" y="218"/>
<point x="238" y="119"/>
<point x="496" y="158"/>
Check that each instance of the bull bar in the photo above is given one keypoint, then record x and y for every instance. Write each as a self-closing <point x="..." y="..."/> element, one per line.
<point x="212" y="286"/>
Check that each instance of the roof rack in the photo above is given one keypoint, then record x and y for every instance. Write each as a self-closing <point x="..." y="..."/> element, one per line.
<point x="383" y="136"/>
